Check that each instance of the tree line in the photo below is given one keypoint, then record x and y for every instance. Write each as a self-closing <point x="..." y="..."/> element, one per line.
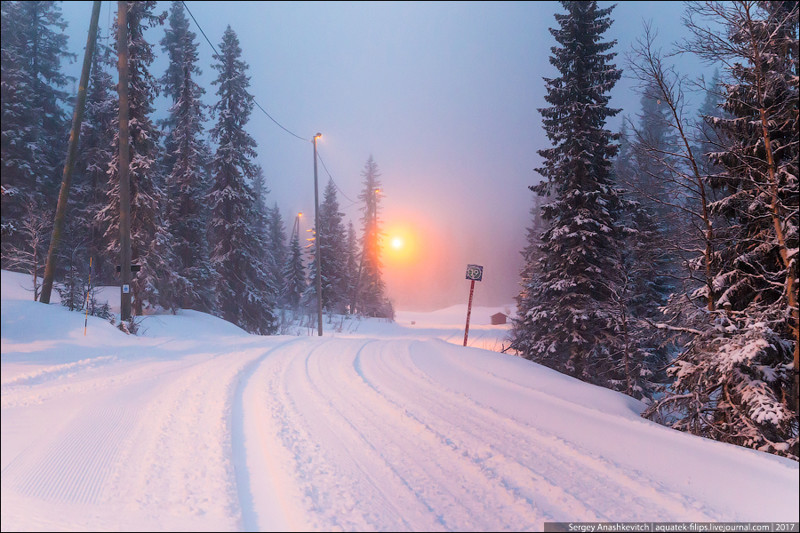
<point x="662" y="259"/>
<point x="202" y="232"/>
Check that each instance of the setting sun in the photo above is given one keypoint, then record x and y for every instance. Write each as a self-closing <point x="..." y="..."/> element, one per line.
<point x="400" y="244"/>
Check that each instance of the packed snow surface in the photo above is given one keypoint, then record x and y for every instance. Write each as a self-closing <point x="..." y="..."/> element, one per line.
<point x="196" y="425"/>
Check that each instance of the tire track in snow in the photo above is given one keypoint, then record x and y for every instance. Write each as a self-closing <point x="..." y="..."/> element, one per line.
<point x="376" y="457"/>
<point x="340" y="488"/>
<point x="423" y="487"/>
<point x="635" y="480"/>
<point x="537" y="451"/>
<point x="257" y="486"/>
<point x="186" y="445"/>
<point x="537" y="497"/>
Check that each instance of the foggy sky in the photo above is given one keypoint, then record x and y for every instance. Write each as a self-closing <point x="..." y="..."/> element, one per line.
<point x="444" y="96"/>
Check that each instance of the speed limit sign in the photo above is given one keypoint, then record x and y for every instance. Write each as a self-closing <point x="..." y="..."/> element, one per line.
<point x="474" y="272"/>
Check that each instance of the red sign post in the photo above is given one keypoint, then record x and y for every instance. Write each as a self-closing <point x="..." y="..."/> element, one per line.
<point x="474" y="273"/>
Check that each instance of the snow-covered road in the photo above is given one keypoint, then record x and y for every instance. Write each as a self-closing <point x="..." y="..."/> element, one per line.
<point x="198" y="426"/>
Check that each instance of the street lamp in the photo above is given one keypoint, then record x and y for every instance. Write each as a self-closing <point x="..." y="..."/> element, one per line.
<point x="317" y="239"/>
<point x="296" y="228"/>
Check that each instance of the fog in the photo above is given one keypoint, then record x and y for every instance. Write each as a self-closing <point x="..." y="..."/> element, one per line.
<point x="444" y="96"/>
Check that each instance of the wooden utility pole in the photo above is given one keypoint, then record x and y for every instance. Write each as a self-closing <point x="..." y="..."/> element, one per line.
<point x="124" y="159"/>
<point x="69" y="164"/>
<point x="317" y="240"/>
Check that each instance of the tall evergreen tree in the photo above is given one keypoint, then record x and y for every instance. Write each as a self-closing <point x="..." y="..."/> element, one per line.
<point x="370" y="293"/>
<point x="186" y="150"/>
<point x="34" y="122"/>
<point x="351" y="266"/>
<point x="146" y="195"/>
<point x="294" y="275"/>
<point x="276" y="244"/>
<point x="244" y="295"/>
<point x="568" y="318"/>
<point x="90" y="180"/>
<point x="333" y="257"/>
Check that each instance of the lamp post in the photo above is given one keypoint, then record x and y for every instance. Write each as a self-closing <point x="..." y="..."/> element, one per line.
<point x="296" y="229"/>
<point x="317" y="239"/>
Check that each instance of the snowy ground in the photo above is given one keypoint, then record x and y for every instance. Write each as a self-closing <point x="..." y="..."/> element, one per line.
<point x="198" y="426"/>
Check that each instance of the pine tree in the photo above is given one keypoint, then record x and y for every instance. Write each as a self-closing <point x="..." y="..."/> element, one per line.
<point x="351" y="266"/>
<point x="647" y="221"/>
<point x="294" y="275"/>
<point x="186" y="214"/>
<point x="276" y="244"/>
<point x="146" y="195"/>
<point x="333" y="258"/>
<point x="34" y="122"/>
<point x="94" y="158"/>
<point x="244" y="296"/>
<point x="569" y="322"/>
<point x="733" y="380"/>
<point x="370" y="298"/>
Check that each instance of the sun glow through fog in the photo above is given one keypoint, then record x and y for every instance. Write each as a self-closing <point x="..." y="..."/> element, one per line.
<point x="399" y="245"/>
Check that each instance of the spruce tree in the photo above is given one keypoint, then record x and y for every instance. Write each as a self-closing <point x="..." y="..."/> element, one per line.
<point x="243" y="293"/>
<point x="34" y="122"/>
<point x="351" y="266"/>
<point x="276" y="244"/>
<point x="567" y="318"/>
<point x="91" y="168"/>
<point x="146" y="196"/>
<point x="370" y="292"/>
<point x="185" y="152"/>
<point x="333" y="258"/>
<point x="294" y="275"/>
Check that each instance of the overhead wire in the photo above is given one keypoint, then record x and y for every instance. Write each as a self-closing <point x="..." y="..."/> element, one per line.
<point x="254" y="100"/>
<point x="352" y="202"/>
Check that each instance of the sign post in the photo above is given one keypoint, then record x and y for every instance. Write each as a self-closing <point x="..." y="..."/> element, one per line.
<point x="474" y="273"/>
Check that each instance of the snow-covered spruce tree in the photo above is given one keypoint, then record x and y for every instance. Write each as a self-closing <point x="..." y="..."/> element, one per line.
<point x="185" y="152"/>
<point x="276" y="244"/>
<point x="34" y="123"/>
<point x="637" y="353"/>
<point x="333" y="257"/>
<point x="149" y="239"/>
<point x="709" y="139"/>
<point x="243" y="293"/>
<point x="91" y="168"/>
<point x="351" y="267"/>
<point x="260" y="222"/>
<point x="734" y="379"/>
<point x="370" y="299"/>
<point x="566" y="320"/>
<point x="294" y="275"/>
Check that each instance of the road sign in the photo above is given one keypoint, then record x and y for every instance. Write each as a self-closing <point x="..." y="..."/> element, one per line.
<point x="126" y="289"/>
<point x="474" y="272"/>
<point x="134" y="268"/>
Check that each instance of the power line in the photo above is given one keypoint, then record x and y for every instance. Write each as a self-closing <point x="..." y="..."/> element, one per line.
<point x="333" y="180"/>
<point x="265" y="111"/>
<point x="254" y="100"/>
